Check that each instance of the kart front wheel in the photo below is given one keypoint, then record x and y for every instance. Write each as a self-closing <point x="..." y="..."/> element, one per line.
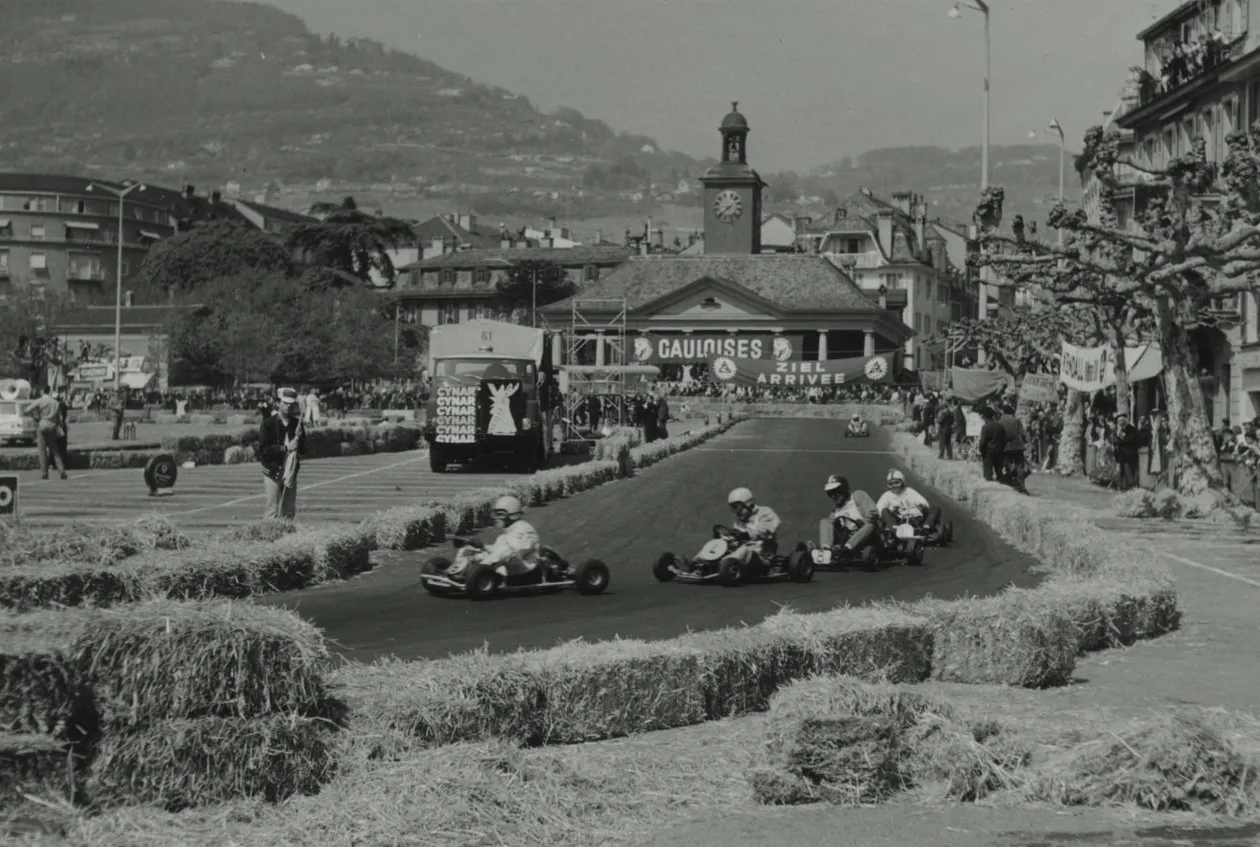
<point x="663" y="569"/>
<point x="437" y="566"/>
<point x="800" y="565"/>
<point x="592" y="577"/>
<point x="731" y="572"/>
<point x="914" y="554"/>
<point x="870" y="559"/>
<point x="481" y="582"/>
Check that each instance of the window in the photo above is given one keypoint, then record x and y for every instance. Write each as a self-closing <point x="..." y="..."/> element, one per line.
<point x="482" y="312"/>
<point x="126" y="268"/>
<point x="927" y="324"/>
<point x="853" y="245"/>
<point x="37" y="232"/>
<point x="4" y="263"/>
<point x="6" y="228"/>
<point x="37" y="204"/>
<point x="481" y="276"/>
<point x="39" y="262"/>
<point x="891" y="281"/>
<point x="927" y="290"/>
<point x="448" y="313"/>
<point x="447" y="276"/>
<point x="590" y="273"/>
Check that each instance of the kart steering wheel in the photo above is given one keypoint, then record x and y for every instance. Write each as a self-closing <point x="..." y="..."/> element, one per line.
<point x="720" y="531"/>
<point x="468" y="541"/>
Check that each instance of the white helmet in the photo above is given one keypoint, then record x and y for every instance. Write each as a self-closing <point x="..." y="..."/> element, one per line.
<point x="506" y="510"/>
<point x="896" y="479"/>
<point x="857" y="417"/>
<point x="741" y="502"/>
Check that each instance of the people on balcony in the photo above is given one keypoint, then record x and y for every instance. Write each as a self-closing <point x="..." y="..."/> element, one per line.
<point x="1183" y="62"/>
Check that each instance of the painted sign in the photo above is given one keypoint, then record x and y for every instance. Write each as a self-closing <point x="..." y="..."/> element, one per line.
<point x="456" y="421"/>
<point x="1039" y="388"/>
<point x="731" y="371"/>
<point x="1092" y="368"/>
<point x="160" y="473"/>
<point x="652" y="349"/>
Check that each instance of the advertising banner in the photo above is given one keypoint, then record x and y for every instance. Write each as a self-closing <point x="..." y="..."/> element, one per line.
<point x="466" y="407"/>
<point x="659" y="349"/>
<point x="1091" y="368"/>
<point x="972" y="386"/>
<point x="456" y="419"/>
<point x="1039" y="388"/>
<point x="726" y="370"/>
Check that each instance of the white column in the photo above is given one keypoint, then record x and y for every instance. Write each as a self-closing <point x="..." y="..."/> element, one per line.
<point x="868" y="343"/>
<point x="557" y="350"/>
<point x="822" y="345"/>
<point x="599" y="349"/>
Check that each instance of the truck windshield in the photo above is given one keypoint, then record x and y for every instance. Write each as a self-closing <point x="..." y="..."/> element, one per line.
<point x="482" y="369"/>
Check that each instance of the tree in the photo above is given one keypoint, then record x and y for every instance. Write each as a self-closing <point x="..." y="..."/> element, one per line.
<point x="530" y="282"/>
<point x="187" y="261"/>
<point x="1195" y="239"/>
<point x="351" y="241"/>
<point x="30" y="348"/>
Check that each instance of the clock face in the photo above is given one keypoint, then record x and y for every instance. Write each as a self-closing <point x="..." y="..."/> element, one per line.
<point x="728" y="207"/>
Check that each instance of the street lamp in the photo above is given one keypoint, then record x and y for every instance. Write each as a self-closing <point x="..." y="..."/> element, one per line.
<point x="1055" y="126"/>
<point x="982" y="7"/>
<point x="122" y="196"/>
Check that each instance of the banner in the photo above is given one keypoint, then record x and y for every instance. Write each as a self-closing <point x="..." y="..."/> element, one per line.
<point x="1092" y="368"/>
<point x="1039" y="388"/>
<point x="934" y="380"/>
<point x="726" y="370"/>
<point x="971" y="386"/>
<point x="655" y="349"/>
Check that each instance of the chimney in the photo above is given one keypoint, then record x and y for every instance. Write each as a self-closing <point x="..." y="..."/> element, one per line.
<point x="599" y="236"/>
<point x="127" y="299"/>
<point x="216" y="197"/>
<point x="885" y="231"/>
<point x="551" y="224"/>
<point x="660" y="238"/>
<point x="841" y="214"/>
<point x="902" y="200"/>
<point x="502" y="230"/>
<point x="628" y="236"/>
<point x="505" y="243"/>
<point x="468" y="221"/>
<point x="190" y="191"/>
<point x="920" y="223"/>
<point x="644" y="248"/>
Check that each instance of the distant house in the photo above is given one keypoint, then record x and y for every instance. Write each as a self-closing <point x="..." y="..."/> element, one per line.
<point x="270" y="218"/>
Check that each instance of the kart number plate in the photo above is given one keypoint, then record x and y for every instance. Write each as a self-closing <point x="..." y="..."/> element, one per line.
<point x="821" y="557"/>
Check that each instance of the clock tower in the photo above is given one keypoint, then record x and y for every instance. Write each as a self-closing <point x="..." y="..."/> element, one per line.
<point x="732" y="195"/>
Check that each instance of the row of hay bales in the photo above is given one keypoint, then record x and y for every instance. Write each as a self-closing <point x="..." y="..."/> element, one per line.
<point x="183" y="704"/>
<point x="1099" y="593"/>
<point x="173" y="704"/>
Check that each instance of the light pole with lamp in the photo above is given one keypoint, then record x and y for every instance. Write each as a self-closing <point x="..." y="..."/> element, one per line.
<point x="982" y="7"/>
<point x="122" y="197"/>
<point x="1055" y="126"/>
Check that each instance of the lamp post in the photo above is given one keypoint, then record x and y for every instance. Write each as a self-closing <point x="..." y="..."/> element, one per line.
<point x="122" y="197"/>
<point x="982" y="7"/>
<point x="1055" y="126"/>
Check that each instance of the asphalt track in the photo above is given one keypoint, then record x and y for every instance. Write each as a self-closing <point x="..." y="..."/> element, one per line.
<point x="670" y="506"/>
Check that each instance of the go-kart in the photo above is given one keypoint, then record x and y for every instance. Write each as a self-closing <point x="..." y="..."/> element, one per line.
<point x="941" y="536"/>
<point x="715" y="563"/>
<point x="862" y="430"/>
<point x="479" y="580"/>
<point x="899" y="546"/>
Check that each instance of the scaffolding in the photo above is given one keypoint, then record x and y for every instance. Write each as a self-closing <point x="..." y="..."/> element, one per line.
<point x="596" y="336"/>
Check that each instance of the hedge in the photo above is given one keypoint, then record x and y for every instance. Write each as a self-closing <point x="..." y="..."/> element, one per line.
<point x="879" y="413"/>
<point x="321" y="442"/>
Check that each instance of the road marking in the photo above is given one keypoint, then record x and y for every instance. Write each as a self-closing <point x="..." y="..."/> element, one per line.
<point x="301" y="489"/>
<point x="789" y="450"/>
<point x="1192" y="563"/>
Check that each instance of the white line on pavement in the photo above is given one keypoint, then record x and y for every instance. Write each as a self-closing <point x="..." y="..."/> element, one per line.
<point x="1192" y="563"/>
<point x="301" y="489"/>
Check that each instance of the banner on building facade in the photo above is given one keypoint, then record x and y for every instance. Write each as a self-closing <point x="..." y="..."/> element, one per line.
<point x="1039" y="388"/>
<point x="1092" y="369"/>
<point x="727" y="370"/>
<point x="662" y="349"/>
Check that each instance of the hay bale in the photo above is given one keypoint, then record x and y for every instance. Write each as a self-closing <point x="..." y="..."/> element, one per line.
<point x="46" y="585"/>
<point x="267" y="530"/>
<point x="1135" y="503"/>
<point x="42" y="687"/>
<point x="191" y="763"/>
<point x="162" y="660"/>
<point x="1183" y="761"/>
<point x="1019" y="638"/>
<point x="35" y="765"/>
<point x="843" y="760"/>
<point x="156" y="531"/>
<point x="1116" y="611"/>
<point x="334" y="553"/>
<point x="404" y="527"/>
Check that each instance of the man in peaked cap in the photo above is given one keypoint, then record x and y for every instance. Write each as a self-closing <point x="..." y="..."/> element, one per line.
<point x="281" y="441"/>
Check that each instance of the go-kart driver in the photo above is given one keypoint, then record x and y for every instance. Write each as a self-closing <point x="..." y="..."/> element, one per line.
<point x="856" y="424"/>
<point x="758" y="524"/>
<point x="515" y="551"/>
<point x="853" y="515"/>
<point x="902" y="503"/>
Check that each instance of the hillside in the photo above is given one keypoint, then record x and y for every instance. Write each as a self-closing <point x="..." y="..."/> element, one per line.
<point x="215" y="92"/>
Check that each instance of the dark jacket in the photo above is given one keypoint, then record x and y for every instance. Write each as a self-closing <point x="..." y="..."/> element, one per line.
<point x="271" y="437"/>
<point x="992" y="438"/>
<point x="1126" y="442"/>
<point x="1014" y="429"/>
<point x="960" y="421"/>
<point x="945" y="420"/>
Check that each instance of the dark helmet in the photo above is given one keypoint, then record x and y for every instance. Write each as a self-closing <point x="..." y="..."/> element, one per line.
<point x="837" y="486"/>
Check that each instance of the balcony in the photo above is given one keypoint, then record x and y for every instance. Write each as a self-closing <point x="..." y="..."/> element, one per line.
<point x="855" y="260"/>
<point x="85" y="274"/>
<point x="1184" y="64"/>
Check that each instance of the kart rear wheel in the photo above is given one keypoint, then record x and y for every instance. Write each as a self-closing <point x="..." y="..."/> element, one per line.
<point x="869" y="560"/>
<point x="481" y="582"/>
<point x="800" y="565"/>
<point x="663" y="568"/>
<point x="947" y="531"/>
<point x="731" y="572"/>
<point x="437" y="566"/>
<point x="914" y="554"/>
<point x="592" y="577"/>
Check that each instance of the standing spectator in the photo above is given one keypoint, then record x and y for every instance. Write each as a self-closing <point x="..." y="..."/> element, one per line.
<point x="313" y="414"/>
<point x="63" y="433"/>
<point x="960" y="425"/>
<point x="662" y="416"/>
<point x="281" y="441"/>
<point x="120" y="409"/>
<point x="1126" y="443"/>
<point x="945" y="432"/>
<point x="992" y="445"/>
<point x="45" y="413"/>
<point x="1016" y="443"/>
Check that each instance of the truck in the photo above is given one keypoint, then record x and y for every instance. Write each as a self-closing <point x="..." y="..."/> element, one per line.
<point x="486" y="396"/>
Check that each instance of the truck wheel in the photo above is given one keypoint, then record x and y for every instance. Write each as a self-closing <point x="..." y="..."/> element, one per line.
<point x="437" y="459"/>
<point x="481" y="582"/>
<point x="591" y="577"/>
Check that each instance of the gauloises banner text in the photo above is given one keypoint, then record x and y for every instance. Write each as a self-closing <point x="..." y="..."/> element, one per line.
<point x="693" y="349"/>
<point x="725" y="370"/>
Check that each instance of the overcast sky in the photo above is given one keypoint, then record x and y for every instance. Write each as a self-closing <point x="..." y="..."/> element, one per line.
<point x="818" y="79"/>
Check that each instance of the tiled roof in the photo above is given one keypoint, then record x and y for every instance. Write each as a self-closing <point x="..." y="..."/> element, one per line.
<point x="50" y="183"/>
<point x="440" y="227"/>
<point x="278" y="213"/>
<point x="90" y="318"/>
<point x="507" y="257"/>
<point x="794" y="282"/>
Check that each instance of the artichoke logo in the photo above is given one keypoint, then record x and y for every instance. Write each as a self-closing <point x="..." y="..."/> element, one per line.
<point x="642" y="349"/>
<point x="782" y="349"/>
<point x="876" y="368"/>
<point x="724" y="368"/>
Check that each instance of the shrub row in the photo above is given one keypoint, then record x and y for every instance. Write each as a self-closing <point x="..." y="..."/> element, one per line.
<point x="173" y="704"/>
<point x="80" y="460"/>
<point x="874" y="412"/>
<point x="1099" y="594"/>
<point x="321" y="442"/>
